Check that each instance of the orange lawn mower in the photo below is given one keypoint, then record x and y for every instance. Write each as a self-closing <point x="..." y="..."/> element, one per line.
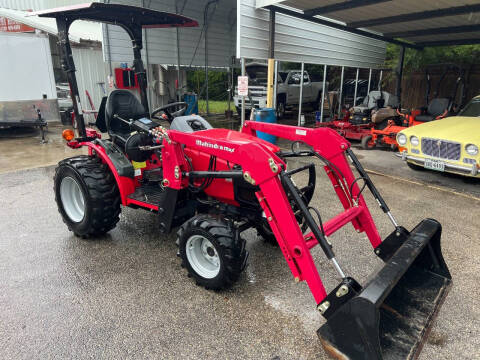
<point x="358" y="121"/>
<point x="391" y="122"/>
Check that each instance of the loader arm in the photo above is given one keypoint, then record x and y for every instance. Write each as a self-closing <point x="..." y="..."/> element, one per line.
<point x="265" y="169"/>
<point x="362" y="322"/>
<point x="332" y="147"/>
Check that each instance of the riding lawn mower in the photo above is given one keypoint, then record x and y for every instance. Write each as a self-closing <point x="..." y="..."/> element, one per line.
<point x="373" y="113"/>
<point x="213" y="184"/>
<point x="435" y="109"/>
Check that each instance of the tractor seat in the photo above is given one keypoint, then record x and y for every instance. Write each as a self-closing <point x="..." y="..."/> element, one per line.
<point x="126" y="105"/>
<point x="436" y="108"/>
<point x="376" y="100"/>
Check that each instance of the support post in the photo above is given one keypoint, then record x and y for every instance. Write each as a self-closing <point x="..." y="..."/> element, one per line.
<point x="323" y="91"/>
<point x="145" y="36"/>
<point x="300" y="98"/>
<point x="69" y="67"/>
<point x="401" y="57"/>
<point x="341" y="91"/>
<point x="369" y="80"/>
<point x="206" y="68"/>
<point x="242" y="117"/>
<point x="178" y="55"/>
<point x="205" y="24"/>
<point x="271" y="61"/>
<point x="380" y="81"/>
<point x="275" y="84"/>
<point x="356" y="88"/>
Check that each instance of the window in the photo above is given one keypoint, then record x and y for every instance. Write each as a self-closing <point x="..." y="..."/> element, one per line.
<point x="295" y="78"/>
<point x="472" y="109"/>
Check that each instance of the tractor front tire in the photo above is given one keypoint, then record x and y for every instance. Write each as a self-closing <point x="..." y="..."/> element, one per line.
<point x="212" y="251"/>
<point x="87" y="196"/>
<point x="264" y="230"/>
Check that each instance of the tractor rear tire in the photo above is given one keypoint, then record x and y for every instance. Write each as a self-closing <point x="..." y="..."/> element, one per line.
<point x="87" y="196"/>
<point x="264" y="230"/>
<point x="212" y="251"/>
<point x="365" y="142"/>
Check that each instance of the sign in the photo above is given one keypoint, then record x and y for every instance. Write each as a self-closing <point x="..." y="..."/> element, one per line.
<point x="8" y="25"/>
<point x="243" y="85"/>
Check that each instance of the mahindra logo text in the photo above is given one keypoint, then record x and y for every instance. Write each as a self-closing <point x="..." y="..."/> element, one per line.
<point x="214" y="146"/>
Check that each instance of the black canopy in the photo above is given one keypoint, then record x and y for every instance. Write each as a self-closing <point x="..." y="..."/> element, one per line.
<point x="118" y="15"/>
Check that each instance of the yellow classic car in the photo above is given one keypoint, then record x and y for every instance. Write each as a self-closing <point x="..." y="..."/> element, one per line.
<point x="450" y="144"/>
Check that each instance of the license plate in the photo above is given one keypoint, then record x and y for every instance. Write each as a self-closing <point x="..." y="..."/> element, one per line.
<point x="434" y="165"/>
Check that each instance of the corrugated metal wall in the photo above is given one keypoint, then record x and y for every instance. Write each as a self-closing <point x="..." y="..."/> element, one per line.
<point x="298" y="40"/>
<point x="91" y="73"/>
<point x="161" y="43"/>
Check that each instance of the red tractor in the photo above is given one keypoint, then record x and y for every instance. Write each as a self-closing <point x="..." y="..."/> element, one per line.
<point x="212" y="184"/>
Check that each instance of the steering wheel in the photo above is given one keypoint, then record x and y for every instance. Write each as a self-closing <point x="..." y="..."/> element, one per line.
<point x="167" y="111"/>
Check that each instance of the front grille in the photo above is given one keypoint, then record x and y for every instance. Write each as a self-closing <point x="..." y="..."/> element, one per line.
<point x="469" y="161"/>
<point x="442" y="149"/>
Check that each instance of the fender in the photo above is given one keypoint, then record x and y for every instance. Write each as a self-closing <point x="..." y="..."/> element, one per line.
<point x="120" y="168"/>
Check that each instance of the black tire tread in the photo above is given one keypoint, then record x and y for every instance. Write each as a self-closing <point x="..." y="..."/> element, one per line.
<point x="415" y="166"/>
<point x="231" y="246"/>
<point x="263" y="230"/>
<point x="364" y="142"/>
<point x="102" y="191"/>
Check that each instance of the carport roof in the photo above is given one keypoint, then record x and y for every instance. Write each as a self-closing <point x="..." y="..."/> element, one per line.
<point x="411" y="23"/>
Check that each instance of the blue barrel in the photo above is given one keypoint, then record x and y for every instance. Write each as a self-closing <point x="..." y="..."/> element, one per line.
<point x="266" y="115"/>
<point x="191" y="100"/>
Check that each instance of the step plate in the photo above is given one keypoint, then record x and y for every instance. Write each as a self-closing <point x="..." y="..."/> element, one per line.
<point x="149" y="193"/>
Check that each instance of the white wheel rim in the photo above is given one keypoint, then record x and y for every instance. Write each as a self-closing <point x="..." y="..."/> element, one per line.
<point x="202" y="256"/>
<point x="72" y="199"/>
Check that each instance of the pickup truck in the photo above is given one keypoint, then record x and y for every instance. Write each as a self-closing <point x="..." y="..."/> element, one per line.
<point x="288" y="89"/>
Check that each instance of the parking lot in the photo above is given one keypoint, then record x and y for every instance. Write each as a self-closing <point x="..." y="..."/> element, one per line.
<point x="125" y="295"/>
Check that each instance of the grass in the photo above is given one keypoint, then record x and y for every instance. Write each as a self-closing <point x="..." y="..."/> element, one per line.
<point x="214" y="106"/>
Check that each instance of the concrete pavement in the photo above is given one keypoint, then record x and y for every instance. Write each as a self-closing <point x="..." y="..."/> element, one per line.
<point x="125" y="295"/>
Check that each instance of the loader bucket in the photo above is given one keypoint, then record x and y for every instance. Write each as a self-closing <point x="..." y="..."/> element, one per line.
<point x="389" y="318"/>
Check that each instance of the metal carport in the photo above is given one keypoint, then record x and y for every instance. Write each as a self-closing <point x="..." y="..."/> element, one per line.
<point x="408" y="23"/>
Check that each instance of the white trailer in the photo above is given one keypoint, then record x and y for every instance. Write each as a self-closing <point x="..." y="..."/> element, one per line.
<point x="28" y="82"/>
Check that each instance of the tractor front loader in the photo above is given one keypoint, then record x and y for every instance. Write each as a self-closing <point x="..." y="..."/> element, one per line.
<point x="389" y="317"/>
<point x="213" y="184"/>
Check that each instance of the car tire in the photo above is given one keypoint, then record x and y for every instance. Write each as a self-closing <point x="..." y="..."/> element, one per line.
<point x="87" y="196"/>
<point x="212" y="251"/>
<point x="415" y="167"/>
<point x="280" y="111"/>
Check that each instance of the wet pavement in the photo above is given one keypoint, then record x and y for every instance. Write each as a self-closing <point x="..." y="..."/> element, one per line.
<point x="22" y="148"/>
<point x="125" y="296"/>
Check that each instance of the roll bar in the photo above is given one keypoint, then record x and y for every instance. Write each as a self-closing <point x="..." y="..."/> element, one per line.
<point x="131" y="18"/>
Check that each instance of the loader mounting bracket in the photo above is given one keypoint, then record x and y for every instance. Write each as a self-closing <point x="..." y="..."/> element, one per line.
<point x="345" y="291"/>
<point x="392" y="242"/>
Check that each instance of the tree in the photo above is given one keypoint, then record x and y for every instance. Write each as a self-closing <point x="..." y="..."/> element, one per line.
<point x="463" y="55"/>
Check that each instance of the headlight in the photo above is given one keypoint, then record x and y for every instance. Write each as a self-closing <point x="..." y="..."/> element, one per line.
<point x="471" y="149"/>
<point x="414" y="140"/>
<point x="402" y="139"/>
